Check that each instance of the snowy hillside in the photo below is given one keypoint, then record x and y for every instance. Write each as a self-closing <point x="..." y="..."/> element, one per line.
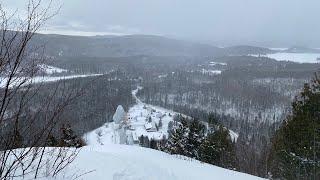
<point x="122" y="162"/>
<point x="141" y="119"/>
<point x="51" y="69"/>
<point x="39" y="79"/>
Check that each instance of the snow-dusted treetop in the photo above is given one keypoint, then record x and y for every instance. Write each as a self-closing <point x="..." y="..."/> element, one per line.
<point x="119" y="115"/>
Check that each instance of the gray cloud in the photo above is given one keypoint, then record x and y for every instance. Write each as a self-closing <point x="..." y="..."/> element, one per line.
<point x="265" y="22"/>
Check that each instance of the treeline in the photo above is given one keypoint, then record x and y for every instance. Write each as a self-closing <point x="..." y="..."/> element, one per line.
<point x="94" y="103"/>
<point x="290" y="150"/>
<point x="194" y="140"/>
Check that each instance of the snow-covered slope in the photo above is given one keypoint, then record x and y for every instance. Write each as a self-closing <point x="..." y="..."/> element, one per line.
<point x="123" y="162"/>
<point x="39" y="79"/>
<point x="141" y="119"/>
<point x="137" y="124"/>
<point x="51" y="69"/>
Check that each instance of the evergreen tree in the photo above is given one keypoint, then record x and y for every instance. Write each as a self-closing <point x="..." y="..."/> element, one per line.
<point x="52" y="141"/>
<point x="295" y="151"/>
<point x="163" y="144"/>
<point x="218" y="149"/>
<point x="195" y="138"/>
<point x="178" y="139"/>
<point x="141" y="140"/>
<point x="69" y="139"/>
<point x="160" y="123"/>
<point x="153" y="144"/>
<point x="146" y="142"/>
<point x="212" y="122"/>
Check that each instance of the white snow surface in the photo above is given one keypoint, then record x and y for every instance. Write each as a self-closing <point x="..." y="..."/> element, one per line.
<point x="217" y="63"/>
<point x="40" y="79"/>
<point x="123" y="162"/>
<point x="211" y="72"/>
<point x="119" y="115"/>
<point x="137" y="125"/>
<point x="51" y="69"/>
<point x="294" y="57"/>
<point x="105" y="159"/>
<point x="279" y="49"/>
<point x="138" y="117"/>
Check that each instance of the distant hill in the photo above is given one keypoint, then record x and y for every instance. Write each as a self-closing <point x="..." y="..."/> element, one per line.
<point x="244" y="50"/>
<point x="300" y="49"/>
<point x="133" y="45"/>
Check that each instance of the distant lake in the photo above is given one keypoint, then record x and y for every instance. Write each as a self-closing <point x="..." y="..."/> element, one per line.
<point x="295" y="57"/>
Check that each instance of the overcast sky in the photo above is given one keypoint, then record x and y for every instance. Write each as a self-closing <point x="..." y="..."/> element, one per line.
<point x="217" y="21"/>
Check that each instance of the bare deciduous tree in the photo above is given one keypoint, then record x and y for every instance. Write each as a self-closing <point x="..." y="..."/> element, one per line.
<point x="29" y="111"/>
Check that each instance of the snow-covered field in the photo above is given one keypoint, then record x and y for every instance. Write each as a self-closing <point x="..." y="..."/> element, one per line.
<point x="217" y="63"/>
<point x="123" y="162"/>
<point x="41" y="79"/>
<point x="210" y="72"/>
<point x="295" y="57"/>
<point x="51" y="69"/>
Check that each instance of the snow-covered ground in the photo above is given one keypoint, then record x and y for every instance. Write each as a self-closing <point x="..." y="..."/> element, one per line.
<point x="105" y="159"/>
<point x="217" y="63"/>
<point x="123" y="162"/>
<point x="279" y="49"/>
<point x="295" y="57"/>
<point x="41" y="79"/>
<point x="138" y="118"/>
<point x="138" y="122"/>
<point x="210" y="72"/>
<point x="51" y="69"/>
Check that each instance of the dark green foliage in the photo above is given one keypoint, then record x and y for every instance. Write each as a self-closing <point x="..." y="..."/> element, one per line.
<point x="141" y="140"/>
<point x="194" y="138"/>
<point x="51" y="141"/>
<point x="154" y="144"/>
<point x="295" y="151"/>
<point x="69" y="139"/>
<point x="160" y="123"/>
<point x="146" y="142"/>
<point x="178" y="139"/>
<point x="212" y="122"/>
<point x="218" y="149"/>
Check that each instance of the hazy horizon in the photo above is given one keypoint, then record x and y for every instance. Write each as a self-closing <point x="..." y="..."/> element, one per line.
<point x="271" y="23"/>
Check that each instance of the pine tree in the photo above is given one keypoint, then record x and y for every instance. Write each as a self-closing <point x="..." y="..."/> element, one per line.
<point x="295" y="150"/>
<point x="178" y="139"/>
<point x="160" y="123"/>
<point x="52" y="141"/>
<point x="218" y="149"/>
<point x="212" y="122"/>
<point x="153" y="144"/>
<point x="163" y="144"/>
<point x="194" y="139"/>
<point x="141" y="140"/>
<point x="69" y="139"/>
<point x="146" y="142"/>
